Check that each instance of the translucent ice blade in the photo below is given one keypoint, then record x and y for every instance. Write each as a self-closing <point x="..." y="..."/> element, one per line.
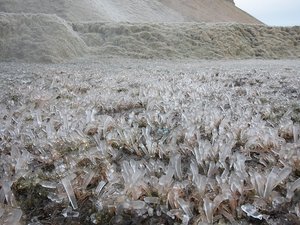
<point x="55" y="198"/>
<point x="48" y="184"/>
<point x="292" y="187"/>
<point x="1" y="212"/>
<point x="49" y="131"/>
<point x="14" y="217"/>
<point x="138" y="204"/>
<point x="258" y="181"/>
<point x="68" y="212"/>
<point x="185" y="220"/>
<point x="208" y="209"/>
<point x="150" y="211"/>
<point x="100" y="187"/>
<point x="194" y="169"/>
<point x="2" y="196"/>
<point x="168" y="178"/>
<point x="10" y="198"/>
<point x="39" y="118"/>
<point x="185" y="207"/>
<point x="151" y="200"/>
<point x="89" y="176"/>
<point x="275" y="177"/>
<point x="177" y="165"/>
<point x="296" y="132"/>
<point x="201" y="182"/>
<point x="250" y="210"/>
<point x="70" y="192"/>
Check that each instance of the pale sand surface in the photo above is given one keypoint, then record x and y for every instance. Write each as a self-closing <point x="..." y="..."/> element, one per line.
<point x="133" y="10"/>
<point x="49" y="38"/>
<point x="207" y="139"/>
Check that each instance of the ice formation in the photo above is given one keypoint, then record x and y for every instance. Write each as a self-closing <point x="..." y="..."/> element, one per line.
<point x="200" y="148"/>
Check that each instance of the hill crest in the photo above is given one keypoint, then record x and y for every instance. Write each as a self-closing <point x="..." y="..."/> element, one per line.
<point x="134" y="11"/>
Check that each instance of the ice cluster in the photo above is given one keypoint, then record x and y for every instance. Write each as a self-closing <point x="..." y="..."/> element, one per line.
<point x="148" y="146"/>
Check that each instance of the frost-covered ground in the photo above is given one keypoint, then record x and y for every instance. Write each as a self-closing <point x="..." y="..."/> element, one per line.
<point x="125" y="141"/>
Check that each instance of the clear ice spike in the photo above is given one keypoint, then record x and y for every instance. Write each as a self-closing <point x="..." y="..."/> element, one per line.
<point x="14" y="217"/>
<point x="70" y="192"/>
<point x="251" y="211"/>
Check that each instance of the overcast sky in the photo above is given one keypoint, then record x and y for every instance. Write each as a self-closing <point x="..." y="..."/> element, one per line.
<point x="273" y="12"/>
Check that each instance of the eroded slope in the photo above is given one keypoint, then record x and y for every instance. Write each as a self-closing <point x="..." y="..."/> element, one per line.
<point x="134" y="11"/>
<point x="38" y="38"/>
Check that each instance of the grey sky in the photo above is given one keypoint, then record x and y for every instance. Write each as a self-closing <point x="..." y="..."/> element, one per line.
<point x="273" y="12"/>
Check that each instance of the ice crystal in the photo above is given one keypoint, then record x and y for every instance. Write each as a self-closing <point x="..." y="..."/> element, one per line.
<point x="191" y="149"/>
<point x="133" y="177"/>
<point x="70" y="192"/>
<point x="1" y="212"/>
<point x="48" y="184"/>
<point x="185" y="207"/>
<point x="9" y="196"/>
<point x="176" y="163"/>
<point x="292" y="187"/>
<point x="209" y="207"/>
<point x="274" y="178"/>
<point x="100" y="187"/>
<point x="68" y="212"/>
<point x="87" y="179"/>
<point x="35" y="221"/>
<point x="14" y="217"/>
<point x="252" y="211"/>
<point x="151" y="200"/>
<point x="265" y="184"/>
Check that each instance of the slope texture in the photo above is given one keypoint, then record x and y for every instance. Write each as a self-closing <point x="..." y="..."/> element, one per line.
<point x="133" y="10"/>
<point x="37" y="38"/>
<point x="191" y="40"/>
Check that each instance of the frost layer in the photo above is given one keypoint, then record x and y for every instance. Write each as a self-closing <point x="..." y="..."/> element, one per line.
<point x="150" y="142"/>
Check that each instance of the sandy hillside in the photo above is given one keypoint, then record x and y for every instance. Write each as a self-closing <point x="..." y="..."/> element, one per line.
<point x="57" y="31"/>
<point x="38" y="38"/>
<point x="133" y="10"/>
<point x="190" y="40"/>
<point x="48" y="38"/>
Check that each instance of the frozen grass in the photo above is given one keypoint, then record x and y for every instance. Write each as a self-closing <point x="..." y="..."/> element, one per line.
<point x="182" y="142"/>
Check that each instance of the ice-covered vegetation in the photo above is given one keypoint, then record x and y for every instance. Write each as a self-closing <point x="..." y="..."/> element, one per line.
<point x="147" y="142"/>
